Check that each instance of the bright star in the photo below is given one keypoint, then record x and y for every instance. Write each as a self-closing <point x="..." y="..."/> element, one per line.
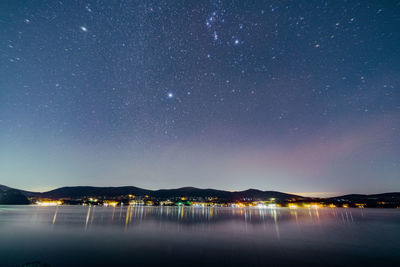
<point x="83" y="28"/>
<point x="170" y="95"/>
<point x="215" y="35"/>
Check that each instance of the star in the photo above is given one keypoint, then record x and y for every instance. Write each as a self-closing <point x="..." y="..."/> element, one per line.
<point x="83" y="28"/>
<point x="215" y="36"/>
<point x="170" y="95"/>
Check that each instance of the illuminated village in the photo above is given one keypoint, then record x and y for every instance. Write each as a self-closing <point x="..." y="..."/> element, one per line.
<point x="271" y="203"/>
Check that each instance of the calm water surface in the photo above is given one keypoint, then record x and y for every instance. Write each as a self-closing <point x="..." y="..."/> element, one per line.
<point x="192" y="236"/>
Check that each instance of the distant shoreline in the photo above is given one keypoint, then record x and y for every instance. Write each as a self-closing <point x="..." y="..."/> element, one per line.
<point x="189" y="196"/>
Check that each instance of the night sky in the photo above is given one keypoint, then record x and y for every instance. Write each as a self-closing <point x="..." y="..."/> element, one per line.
<point x="294" y="96"/>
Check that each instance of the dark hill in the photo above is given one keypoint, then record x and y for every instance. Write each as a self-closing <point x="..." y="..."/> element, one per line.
<point x="191" y="192"/>
<point x="394" y="196"/>
<point x="388" y="200"/>
<point x="77" y="192"/>
<point x="91" y="191"/>
<point x="10" y="196"/>
<point x="258" y="194"/>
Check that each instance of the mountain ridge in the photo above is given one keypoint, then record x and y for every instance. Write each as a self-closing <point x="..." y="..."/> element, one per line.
<point x="186" y="191"/>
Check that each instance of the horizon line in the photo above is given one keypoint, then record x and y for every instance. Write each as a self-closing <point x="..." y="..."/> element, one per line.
<point x="301" y="194"/>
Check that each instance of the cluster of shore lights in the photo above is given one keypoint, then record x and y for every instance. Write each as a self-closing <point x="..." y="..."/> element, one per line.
<point x="111" y="203"/>
<point x="48" y="203"/>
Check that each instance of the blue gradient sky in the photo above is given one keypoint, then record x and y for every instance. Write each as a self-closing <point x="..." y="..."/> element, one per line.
<point x="290" y="96"/>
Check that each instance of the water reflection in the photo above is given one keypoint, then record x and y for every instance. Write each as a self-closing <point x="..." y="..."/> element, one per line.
<point x="87" y="217"/>
<point x="245" y="218"/>
<point x="131" y="216"/>
<point x="55" y="215"/>
<point x="198" y="236"/>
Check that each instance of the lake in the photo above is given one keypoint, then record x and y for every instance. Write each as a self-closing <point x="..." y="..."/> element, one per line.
<point x="198" y="236"/>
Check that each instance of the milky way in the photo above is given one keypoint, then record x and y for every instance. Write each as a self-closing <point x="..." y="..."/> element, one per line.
<point x="296" y="96"/>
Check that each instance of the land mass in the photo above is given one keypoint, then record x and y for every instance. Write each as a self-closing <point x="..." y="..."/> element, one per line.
<point x="185" y="196"/>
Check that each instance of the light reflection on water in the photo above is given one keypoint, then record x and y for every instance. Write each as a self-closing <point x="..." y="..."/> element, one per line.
<point x="178" y="236"/>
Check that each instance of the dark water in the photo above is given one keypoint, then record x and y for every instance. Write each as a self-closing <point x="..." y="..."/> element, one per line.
<point x="190" y="236"/>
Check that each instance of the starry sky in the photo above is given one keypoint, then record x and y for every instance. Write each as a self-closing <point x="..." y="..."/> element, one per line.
<point x="294" y="96"/>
